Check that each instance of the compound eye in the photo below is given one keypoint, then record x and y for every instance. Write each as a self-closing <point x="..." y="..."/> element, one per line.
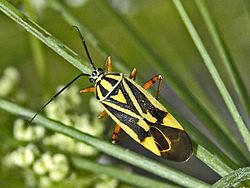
<point x="100" y="70"/>
<point x="91" y="79"/>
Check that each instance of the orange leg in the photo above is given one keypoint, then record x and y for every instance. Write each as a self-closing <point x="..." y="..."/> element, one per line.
<point x="133" y="74"/>
<point x="102" y="114"/>
<point x="115" y="133"/>
<point x="87" y="90"/>
<point x="92" y="89"/>
<point x="108" y="64"/>
<point x="154" y="79"/>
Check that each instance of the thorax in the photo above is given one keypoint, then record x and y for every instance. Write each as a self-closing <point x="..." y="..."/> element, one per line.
<point x="106" y="84"/>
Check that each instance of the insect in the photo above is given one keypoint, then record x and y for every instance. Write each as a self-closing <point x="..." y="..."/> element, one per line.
<point x="136" y="111"/>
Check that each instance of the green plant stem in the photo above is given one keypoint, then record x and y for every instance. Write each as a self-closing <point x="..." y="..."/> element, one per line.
<point x="214" y="73"/>
<point x="120" y="174"/>
<point x="231" y="179"/>
<point x="37" y="51"/>
<point x="35" y="44"/>
<point x="208" y="152"/>
<point x="214" y="163"/>
<point x="44" y="36"/>
<point x="110" y="149"/>
<point x="223" y="135"/>
<point x="227" y="60"/>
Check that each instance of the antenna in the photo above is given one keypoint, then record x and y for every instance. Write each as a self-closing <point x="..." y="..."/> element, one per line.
<point x="84" y="45"/>
<point x="82" y="74"/>
<point x="58" y="93"/>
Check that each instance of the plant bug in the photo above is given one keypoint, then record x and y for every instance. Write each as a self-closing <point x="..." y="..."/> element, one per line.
<point x="136" y="111"/>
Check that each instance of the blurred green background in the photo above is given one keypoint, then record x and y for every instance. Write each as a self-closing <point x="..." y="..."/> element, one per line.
<point x="148" y="35"/>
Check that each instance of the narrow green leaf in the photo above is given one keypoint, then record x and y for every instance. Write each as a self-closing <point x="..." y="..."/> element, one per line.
<point x="231" y="179"/>
<point x="213" y="161"/>
<point x="214" y="73"/>
<point x="110" y="149"/>
<point x="120" y="174"/>
<point x="207" y="152"/>
<point x="44" y="36"/>
<point x="36" y="47"/>
<point x="227" y="59"/>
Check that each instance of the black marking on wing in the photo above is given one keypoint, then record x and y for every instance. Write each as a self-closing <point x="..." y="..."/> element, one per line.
<point x="180" y="144"/>
<point x="145" y="104"/>
<point x="130" y="121"/>
<point x="110" y="80"/>
<point x="160" y="140"/>
<point x="128" y="105"/>
<point x="103" y="91"/>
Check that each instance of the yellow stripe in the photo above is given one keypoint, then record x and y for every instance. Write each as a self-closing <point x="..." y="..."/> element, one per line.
<point x="119" y="97"/>
<point x="167" y="139"/>
<point x="170" y="121"/>
<point x="115" y="77"/>
<point x="150" y="118"/>
<point x="132" y="97"/>
<point x="106" y="84"/>
<point x="149" y="143"/>
<point x="99" y="93"/>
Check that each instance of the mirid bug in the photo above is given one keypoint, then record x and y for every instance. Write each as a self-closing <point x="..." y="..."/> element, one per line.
<point x="136" y="111"/>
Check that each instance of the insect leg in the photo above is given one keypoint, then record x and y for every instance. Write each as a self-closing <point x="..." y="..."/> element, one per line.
<point x="133" y="74"/>
<point x="108" y="64"/>
<point x="150" y="82"/>
<point x="102" y="114"/>
<point x="87" y="90"/>
<point x="115" y="133"/>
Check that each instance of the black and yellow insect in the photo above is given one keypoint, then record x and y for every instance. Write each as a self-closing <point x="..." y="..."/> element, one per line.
<point x="137" y="112"/>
